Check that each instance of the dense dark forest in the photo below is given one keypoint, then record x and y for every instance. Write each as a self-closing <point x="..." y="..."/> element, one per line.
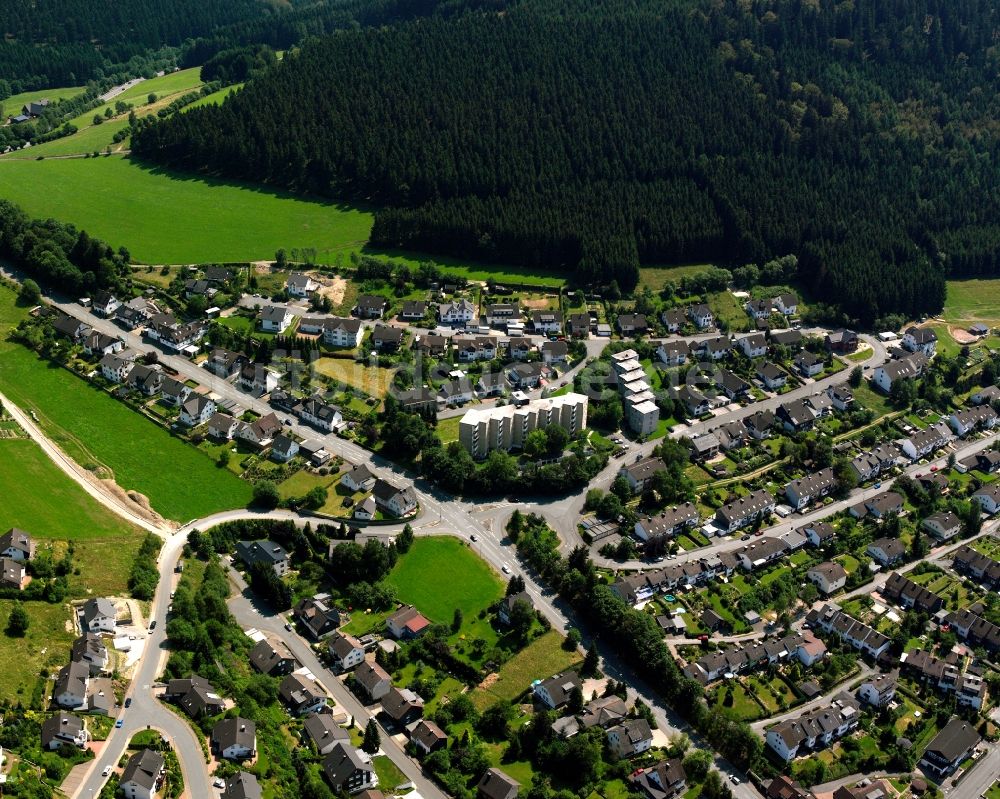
<point x="597" y="137"/>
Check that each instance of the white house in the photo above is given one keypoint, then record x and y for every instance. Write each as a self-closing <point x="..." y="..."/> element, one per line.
<point x="345" y="651"/>
<point x="808" y="364"/>
<point x="631" y="737"/>
<point x="879" y="691"/>
<point x="300" y="285"/>
<point x="754" y="345"/>
<point x="920" y="339"/>
<point x="988" y="498"/>
<point x="275" y="318"/>
<point x="828" y="577"/>
<point x="197" y="410"/>
<point x="234" y="739"/>
<point x="358" y="478"/>
<point x="970" y="419"/>
<point x="788" y="304"/>
<point x="340" y="332"/>
<point x="908" y="368"/>
<point x="142" y="775"/>
<point x="702" y="316"/>
<point x="114" y="368"/>
<point x="924" y="442"/>
<point x="457" y="312"/>
<point x="70" y="689"/>
<point x="397" y="501"/>
<point x="99" y="615"/>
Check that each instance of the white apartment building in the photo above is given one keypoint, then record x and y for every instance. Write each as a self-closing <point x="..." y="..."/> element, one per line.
<point x="507" y="427"/>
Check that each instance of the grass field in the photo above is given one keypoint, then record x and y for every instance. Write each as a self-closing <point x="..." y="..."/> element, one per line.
<point x="542" y="658"/>
<point x="12" y="105"/>
<point x="447" y="429"/>
<point x="46" y="646"/>
<point x="374" y="381"/>
<point x="656" y="277"/>
<point x="215" y="98"/>
<point x="440" y="574"/>
<point x="163" y="217"/>
<point x="971" y="301"/>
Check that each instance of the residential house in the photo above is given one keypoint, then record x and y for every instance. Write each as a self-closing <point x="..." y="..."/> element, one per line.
<point x="787" y="304"/>
<point x="505" y="609"/>
<point x="808" y="364"/>
<point x="302" y="695"/>
<point x="642" y="412"/>
<point x="786" y="338"/>
<point x="828" y="577"/>
<point x="317" y="615"/>
<point x="275" y="318"/>
<point x="815" y="729"/>
<point x="631" y="737"/>
<point x="195" y="287"/>
<point x="968" y="561"/>
<point x="742" y="511"/>
<point x="358" y="478"/>
<point x="90" y="650"/>
<point x="887" y="551"/>
<point x="985" y="396"/>
<point x="665" y="780"/>
<point x="319" y="414"/>
<point x="920" y="339"/>
<point x="95" y="343"/>
<point x="673" y="353"/>
<point x="135" y="312"/>
<point x="347" y="770"/>
<point x="705" y="447"/>
<point x="196" y="410"/>
<point x="494" y="784"/>
<point x="673" y="319"/>
<point x="264" y="551"/>
<point x="526" y="376"/>
<point x="860" y="636"/>
<point x="173" y="335"/>
<point x="17" y="545"/>
<point x="393" y="500"/>
<point x="373" y="681"/>
<point x="632" y="324"/>
<point x="501" y="314"/>
<point x="260" y="432"/>
<point x="242" y="785"/>
<point x="234" y="739"/>
<point x="732" y="435"/>
<point x="341" y="332"/>
<point x="975" y="630"/>
<point x="401" y="707"/>
<point x="71" y="327"/>
<point x="174" y="392"/>
<point x="222" y="426"/>
<point x="796" y="416"/>
<point x="324" y="732"/>
<point x="878" y="506"/>
<point x="457" y="312"/>
<point x="842" y="341"/>
<point x="754" y="345"/>
<point x="99" y="615"/>
<point x="431" y="344"/>
<point x="879" y="690"/>
<point x="407" y="623"/>
<point x="70" y="689"/>
<point x="387" y="339"/>
<point x="908" y="368"/>
<point x="988" y="498"/>
<point x="555" y="691"/>
<point x="115" y="368"/>
<point x="257" y="379"/>
<point x="715" y="349"/>
<point x="554" y="352"/>
<point x="771" y="376"/>
<point x="759" y="309"/>
<point x="345" y="652"/>
<point x="842" y="397"/>
<point x="702" y="316"/>
<point x="224" y="363"/>
<point x="578" y="324"/>
<point x="761" y="552"/>
<point x="805" y="490"/>
<point x="371" y="306"/>
<point x="143" y="775"/>
<point x="547" y="322"/>
<point x="950" y="748"/>
<point x="104" y="303"/>
<point x="456" y="392"/>
<point x="427" y="736"/>
<point x="480" y="348"/>
<point x="284" y="448"/>
<point x="300" y="285"/>
<point x="734" y="386"/>
<point x="942" y="525"/>
<point x="413" y="310"/>
<point x="64" y="729"/>
<point x="760" y="424"/>
<point x="145" y="379"/>
<point x="12" y="574"/>
<point x="195" y="695"/>
<point x="273" y="658"/>
<point x="872" y="464"/>
<point x="694" y="401"/>
<point x="819" y="533"/>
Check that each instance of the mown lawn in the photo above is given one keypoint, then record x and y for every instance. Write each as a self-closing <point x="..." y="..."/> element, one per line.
<point x="372" y="380"/>
<point x="969" y="301"/>
<point x="164" y="217"/>
<point x="12" y="105"/>
<point x="441" y="574"/>
<point x="542" y="658"/>
<point x="97" y="431"/>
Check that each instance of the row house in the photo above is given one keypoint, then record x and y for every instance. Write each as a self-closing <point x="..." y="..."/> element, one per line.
<point x="975" y="630"/>
<point x="968" y="561"/>
<point x="669" y="523"/>
<point x="872" y="464"/>
<point x="964" y="422"/>
<point x="804" y="647"/>
<point x="744" y="511"/>
<point x="834" y="621"/>
<point x="942" y="674"/>
<point x="924" y="442"/>
<point x="814" y="730"/>
<point x="807" y="489"/>
<point x="908" y="594"/>
<point x="908" y="368"/>
<point x="639" y="587"/>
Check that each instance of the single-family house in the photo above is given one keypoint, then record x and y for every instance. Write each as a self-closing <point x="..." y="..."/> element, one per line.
<point x="372" y="680"/>
<point x="632" y="324"/>
<point x="145" y="379"/>
<point x="494" y="784"/>
<point x="300" y="285"/>
<point x="505" y="609"/>
<point x="324" y="732"/>
<point x="407" y="623"/>
<point x="392" y="499"/>
<point x="401" y="706"/>
<point x="266" y="552"/>
<point x="771" y="376"/>
<point x="702" y="316"/>
<point x="348" y="770"/>
<point x="631" y="737"/>
<point x="808" y="364"/>
<point x="273" y="658"/>
<point x="879" y="691"/>
<point x="427" y="736"/>
<point x="242" y="785"/>
<point x="554" y="352"/>
<point x="387" y="339"/>
<point x="195" y="695"/>
<point x="950" y="748"/>
<point x="665" y="780"/>
<point x="96" y="343"/>
<point x="842" y="341"/>
<point x="371" y="306"/>
<point x="759" y="309"/>
<point x="70" y="689"/>
<point x="317" y="615"/>
<point x="887" y="551"/>
<point x="197" y="410"/>
<point x="143" y="775"/>
<point x="234" y="739"/>
<point x="114" y="368"/>
<point x="99" y="615"/>
<point x="358" y="478"/>
<point x="64" y="729"/>
<point x="345" y="652"/>
<point x="457" y="312"/>
<point x="275" y="318"/>
<point x="920" y="339"/>
<point x="942" y="525"/>
<point x="90" y="650"/>
<point x="754" y="345"/>
<point x="224" y="363"/>
<point x="787" y="304"/>
<point x="673" y="319"/>
<point x="17" y="545"/>
<point x="104" y="303"/>
<point x="302" y="695"/>
<point x="555" y="691"/>
<point x="828" y="577"/>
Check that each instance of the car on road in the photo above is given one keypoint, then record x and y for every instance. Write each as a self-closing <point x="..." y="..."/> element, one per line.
<point x="744" y="538"/>
<point x="288" y="626"/>
<point x="128" y="701"/>
<point x="152" y="625"/>
<point x="759" y="533"/>
<point x="119" y="723"/>
<point x="878" y="484"/>
<point x="505" y="569"/>
<point x="106" y="772"/>
<point x="735" y="779"/>
<point x="473" y="537"/>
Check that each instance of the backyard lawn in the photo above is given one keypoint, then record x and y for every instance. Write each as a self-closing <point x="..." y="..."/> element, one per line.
<point x="373" y="381"/>
<point x="542" y="658"/>
<point x="46" y="646"/>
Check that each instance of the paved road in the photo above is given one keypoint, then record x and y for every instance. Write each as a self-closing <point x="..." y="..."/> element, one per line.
<point x="146" y="710"/>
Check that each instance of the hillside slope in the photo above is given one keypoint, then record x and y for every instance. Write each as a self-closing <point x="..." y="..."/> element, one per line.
<point x="598" y="137"/>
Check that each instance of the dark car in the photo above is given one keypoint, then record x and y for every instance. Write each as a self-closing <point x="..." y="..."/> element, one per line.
<point x="128" y="702"/>
<point x="152" y="625"/>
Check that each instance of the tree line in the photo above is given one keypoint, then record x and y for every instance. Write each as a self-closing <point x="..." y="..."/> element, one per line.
<point x="596" y="139"/>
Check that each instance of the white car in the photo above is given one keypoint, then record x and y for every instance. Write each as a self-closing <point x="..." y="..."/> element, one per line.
<point x="505" y="569"/>
<point x="219" y="782"/>
<point x="106" y="772"/>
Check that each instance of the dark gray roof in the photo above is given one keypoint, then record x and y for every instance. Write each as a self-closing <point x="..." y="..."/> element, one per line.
<point x="143" y="768"/>
<point x="242" y="786"/>
<point x="342" y="762"/>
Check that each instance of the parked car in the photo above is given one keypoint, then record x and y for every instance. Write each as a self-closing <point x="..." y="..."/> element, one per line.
<point x="119" y="723"/>
<point x="128" y="701"/>
<point x="106" y="772"/>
